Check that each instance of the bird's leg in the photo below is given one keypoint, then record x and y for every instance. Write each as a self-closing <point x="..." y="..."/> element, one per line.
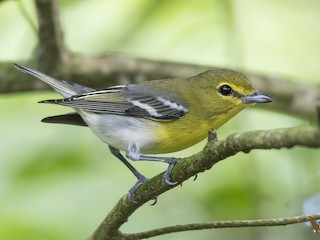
<point x="139" y="176"/>
<point x="133" y="154"/>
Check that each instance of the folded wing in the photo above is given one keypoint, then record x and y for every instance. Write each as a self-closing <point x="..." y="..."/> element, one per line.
<point x="129" y="100"/>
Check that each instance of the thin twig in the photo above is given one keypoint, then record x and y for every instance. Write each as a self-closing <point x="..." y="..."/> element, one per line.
<point x="27" y="17"/>
<point x="224" y="224"/>
<point x="318" y="113"/>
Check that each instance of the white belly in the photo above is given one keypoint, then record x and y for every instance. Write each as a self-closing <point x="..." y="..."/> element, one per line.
<point x="120" y="131"/>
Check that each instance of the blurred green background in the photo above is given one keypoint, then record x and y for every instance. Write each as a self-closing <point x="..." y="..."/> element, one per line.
<point x="58" y="182"/>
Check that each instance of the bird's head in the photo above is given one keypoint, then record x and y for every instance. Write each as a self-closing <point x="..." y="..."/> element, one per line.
<point x="225" y="93"/>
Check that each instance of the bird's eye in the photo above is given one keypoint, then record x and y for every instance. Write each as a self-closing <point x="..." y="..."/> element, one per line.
<point x="225" y="90"/>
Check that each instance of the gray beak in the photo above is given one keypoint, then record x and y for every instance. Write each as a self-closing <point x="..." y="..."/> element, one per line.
<point x="257" y="97"/>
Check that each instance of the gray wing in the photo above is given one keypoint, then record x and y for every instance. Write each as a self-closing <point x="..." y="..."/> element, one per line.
<point x="129" y="100"/>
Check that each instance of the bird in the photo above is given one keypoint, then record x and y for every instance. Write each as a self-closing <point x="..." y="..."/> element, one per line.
<point x="156" y="116"/>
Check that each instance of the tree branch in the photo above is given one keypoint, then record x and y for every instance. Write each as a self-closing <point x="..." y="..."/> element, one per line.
<point x="51" y="53"/>
<point x="224" y="224"/>
<point x="294" y="98"/>
<point x="213" y="152"/>
<point x="102" y="71"/>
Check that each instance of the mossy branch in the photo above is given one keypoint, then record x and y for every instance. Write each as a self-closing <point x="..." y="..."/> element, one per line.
<point x="213" y="152"/>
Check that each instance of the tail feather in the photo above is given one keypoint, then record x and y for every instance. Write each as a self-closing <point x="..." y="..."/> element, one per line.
<point x="65" y="88"/>
<point x="69" y="118"/>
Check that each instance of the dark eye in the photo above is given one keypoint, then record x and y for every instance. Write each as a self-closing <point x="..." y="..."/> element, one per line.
<point x="225" y="90"/>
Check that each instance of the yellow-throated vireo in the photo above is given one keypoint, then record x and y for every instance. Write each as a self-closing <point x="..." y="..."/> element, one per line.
<point x="157" y="116"/>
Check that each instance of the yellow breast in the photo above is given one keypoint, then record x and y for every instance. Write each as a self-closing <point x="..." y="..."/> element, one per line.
<point x="185" y="132"/>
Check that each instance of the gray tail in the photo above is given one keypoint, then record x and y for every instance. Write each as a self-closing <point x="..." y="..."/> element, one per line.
<point x="65" y="88"/>
<point x="69" y="118"/>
